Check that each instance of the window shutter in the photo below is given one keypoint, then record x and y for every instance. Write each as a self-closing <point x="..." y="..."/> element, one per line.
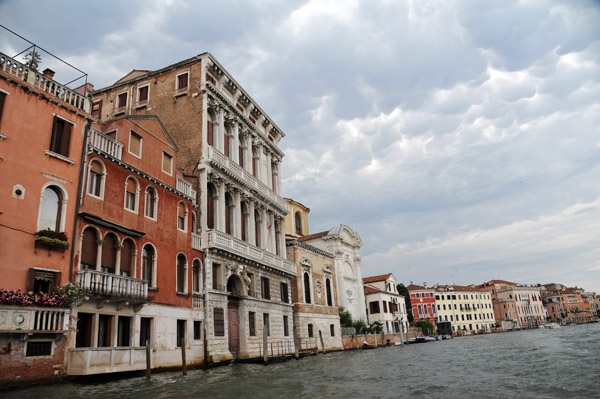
<point x="226" y="143"/>
<point x="209" y="128"/>
<point x="30" y="279"/>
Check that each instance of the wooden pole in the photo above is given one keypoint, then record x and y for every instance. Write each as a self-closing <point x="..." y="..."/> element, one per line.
<point x="322" y="342"/>
<point x="265" y="346"/>
<point x="148" y="362"/>
<point x="183" y="363"/>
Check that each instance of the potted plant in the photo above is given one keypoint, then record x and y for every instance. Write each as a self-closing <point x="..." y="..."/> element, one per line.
<point x="52" y="239"/>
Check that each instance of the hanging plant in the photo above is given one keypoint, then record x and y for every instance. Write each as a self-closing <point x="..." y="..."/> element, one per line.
<point x="51" y="238"/>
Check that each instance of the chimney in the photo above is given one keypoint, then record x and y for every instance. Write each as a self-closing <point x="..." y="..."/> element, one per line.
<point x="49" y="73"/>
<point x="425" y="284"/>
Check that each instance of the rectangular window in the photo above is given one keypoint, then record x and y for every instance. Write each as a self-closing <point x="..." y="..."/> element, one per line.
<point x="215" y="276"/>
<point x="219" y="322"/>
<point x="61" y="136"/>
<point x="252" y="324"/>
<point x="42" y="281"/>
<point x="286" y="329"/>
<point x="182" y="83"/>
<point x="135" y="144"/>
<point x="284" y="293"/>
<point x="332" y="329"/>
<point x="167" y="163"/>
<point x="97" y="109"/>
<point x="385" y="309"/>
<point x="124" y="331"/>
<point x="266" y="324"/>
<point x="105" y="323"/>
<point x="145" y="331"/>
<point x="180" y="332"/>
<point x="142" y="95"/>
<point x="374" y="307"/>
<point x="121" y="103"/>
<point x="197" y="330"/>
<point x="83" y="339"/>
<point x="265" y="288"/>
<point x="39" y="348"/>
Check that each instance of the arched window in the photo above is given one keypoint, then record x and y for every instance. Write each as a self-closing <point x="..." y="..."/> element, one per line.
<point x="257" y="228"/>
<point x="226" y="142"/>
<point x="244" y="221"/>
<point x="328" y="292"/>
<point x="306" y="287"/>
<point x="210" y="206"/>
<point x="148" y="256"/>
<point x="182" y="216"/>
<point x="277" y="235"/>
<point x="242" y="151"/>
<point x="310" y="331"/>
<point x="109" y="253"/>
<point x="181" y="273"/>
<point x="151" y="202"/>
<point x="196" y="276"/>
<point x="131" y="194"/>
<point x="95" y="178"/>
<point x="51" y="209"/>
<point x="89" y="249"/>
<point x="274" y="177"/>
<point x="194" y="223"/>
<point x="254" y="162"/>
<point x="298" y="221"/>
<point x="127" y="257"/>
<point x="209" y="128"/>
<point x="228" y="213"/>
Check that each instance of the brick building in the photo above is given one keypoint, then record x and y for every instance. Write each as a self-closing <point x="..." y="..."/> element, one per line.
<point x="422" y="299"/>
<point x="136" y="252"/>
<point x="43" y="125"/>
<point x="230" y="147"/>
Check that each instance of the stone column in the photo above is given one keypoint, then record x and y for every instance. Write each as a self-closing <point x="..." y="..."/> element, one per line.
<point x="219" y="131"/>
<point x="99" y="254"/>
<point x="251" y="226"/>
<point x="118" y="260"/>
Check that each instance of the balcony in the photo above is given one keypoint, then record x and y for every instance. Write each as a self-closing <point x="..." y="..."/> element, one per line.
<point x="185" y="187"/>
<point x="33" y="319"/>
<point x="196" y="242"/>
<point x="113" y="286"/>
<point x="105" y="144"/>
<point x="228" y="243"/>
<point x="38" y="80"/>
<point x="221" y="161"/>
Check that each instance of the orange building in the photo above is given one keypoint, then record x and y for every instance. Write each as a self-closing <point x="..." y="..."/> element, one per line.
<point x="43" y="125"/>
<point x="137" y="252"/>
<point x="567" y="305"/>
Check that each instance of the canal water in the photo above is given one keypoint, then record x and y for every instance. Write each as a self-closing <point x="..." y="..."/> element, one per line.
<point x="559" y="363"/>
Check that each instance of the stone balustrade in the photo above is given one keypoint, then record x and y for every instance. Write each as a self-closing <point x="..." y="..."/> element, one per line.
<point x="38" y="80"/>
<point x="185" y="187"/>
<point x="87" y="361"/>
<point x="33" y="319"/>
<point x="196" y="241"/>
<point x="106" y="144"/>
<point x="114" y="286"/>
<point x="226" y="242"/>
<point x="220" y="160"/>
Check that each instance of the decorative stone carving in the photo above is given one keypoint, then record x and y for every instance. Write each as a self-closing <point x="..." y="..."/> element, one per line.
<point x="319" y="288"/>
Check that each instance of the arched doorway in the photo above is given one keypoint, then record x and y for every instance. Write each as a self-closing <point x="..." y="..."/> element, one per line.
<point x="235" y="289"/>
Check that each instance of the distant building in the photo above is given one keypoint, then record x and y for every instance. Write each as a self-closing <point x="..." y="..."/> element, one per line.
<point x="422" y="299"/>
<point x="467" y="308"/>
<point x="43" y="127"/>
<point x="384" y="304"/>
<point x="575" y="306"/>
<point x="521" y="304"/>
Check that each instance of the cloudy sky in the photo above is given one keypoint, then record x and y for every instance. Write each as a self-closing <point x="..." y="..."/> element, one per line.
<point x="460" y="139"/>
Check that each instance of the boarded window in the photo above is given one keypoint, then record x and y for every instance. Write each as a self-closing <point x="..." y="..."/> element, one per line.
<point x="385" y="309"/>
<point x="182" y="81"/>
<point x="61" y="137"/>
<point x="135" y="144"/>
<point x="121" y="101"/>
<point x="109" y="253"/>
<point x="167" y="163"/>
<point x="219" y="322"/>
<point x="126" y="257"/>
<point x="143" y="94"/>
<point x="252" y="324"/>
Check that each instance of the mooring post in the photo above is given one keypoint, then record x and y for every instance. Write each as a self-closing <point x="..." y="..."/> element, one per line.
<point x="295" y="334"/>
<point x="382" y="338"/>
<point x="401" y="334"/>
<point x="148" y="362"/>
<point x="265" y="345"/>
<point x="183" y="354"/>
<point x="322" y="343"/>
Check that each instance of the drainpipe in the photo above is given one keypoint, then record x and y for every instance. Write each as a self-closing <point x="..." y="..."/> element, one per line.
<point x="79" y="194"/>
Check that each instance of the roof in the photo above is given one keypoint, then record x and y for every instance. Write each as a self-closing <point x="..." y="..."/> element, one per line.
<point x="456" y="288"/>
<point x="371" y="290"/>
<point x="501" y="282"/>
<point x="313" y="236"/>
<point x="414" y="287"/>
<point x="132" y="75"/>
<point x="373" y="279"/>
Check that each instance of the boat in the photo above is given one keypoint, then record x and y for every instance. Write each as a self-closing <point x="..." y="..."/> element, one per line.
<point x="552" y="325"/>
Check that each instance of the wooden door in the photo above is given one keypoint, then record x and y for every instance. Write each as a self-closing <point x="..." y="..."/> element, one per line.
<point x="234" y="331"/>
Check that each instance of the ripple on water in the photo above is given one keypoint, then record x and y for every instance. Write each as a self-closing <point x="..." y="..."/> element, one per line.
<point x="526" y="364"/>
